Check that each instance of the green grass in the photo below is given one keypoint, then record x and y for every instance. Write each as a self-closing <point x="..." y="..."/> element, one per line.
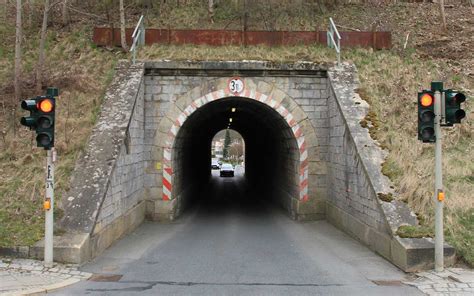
<point x="461" y="234"/>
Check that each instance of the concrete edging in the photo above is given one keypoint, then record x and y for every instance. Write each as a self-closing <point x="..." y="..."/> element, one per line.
<point x="48" y="288"/>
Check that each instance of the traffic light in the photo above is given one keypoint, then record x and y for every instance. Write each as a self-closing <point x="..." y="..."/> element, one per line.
<point x="452" y="107"/>
<point x="426" y="117"/>
<point x="41" y="119"/>
<point x="29" y="121"/>
<point x="45" y="122"/>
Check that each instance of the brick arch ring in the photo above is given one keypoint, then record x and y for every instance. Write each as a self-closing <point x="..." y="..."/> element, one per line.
<point x="225" y="93"/>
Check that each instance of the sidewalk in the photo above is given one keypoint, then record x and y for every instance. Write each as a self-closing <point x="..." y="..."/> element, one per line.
<point x="30" y="277"/>
<point x="452" y="281"/>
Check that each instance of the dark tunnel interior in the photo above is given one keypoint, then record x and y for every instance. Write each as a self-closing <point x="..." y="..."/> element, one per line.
<point x="271" y="153"/>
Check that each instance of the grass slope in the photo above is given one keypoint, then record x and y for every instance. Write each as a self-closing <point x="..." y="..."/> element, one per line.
<point x="81" y="72"/>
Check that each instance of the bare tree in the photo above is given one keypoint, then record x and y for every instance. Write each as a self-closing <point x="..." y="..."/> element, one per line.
<point x="18" y="36"/>
<point x="65" y="13"/>
<point x="210" y="10"/>
<point x="122" y="27"/>
<point x="29" y="12"/>
<point x="5" y="10"/>
<point x="39" y="67"/>
<point x="443" y="16"/>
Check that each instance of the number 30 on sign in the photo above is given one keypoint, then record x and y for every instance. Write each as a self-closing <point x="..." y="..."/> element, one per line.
<point x="236" y="85"/>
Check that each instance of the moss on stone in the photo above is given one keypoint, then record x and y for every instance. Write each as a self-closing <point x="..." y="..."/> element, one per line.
<point x="387" y="197"/>
<point x="411" y="231"/>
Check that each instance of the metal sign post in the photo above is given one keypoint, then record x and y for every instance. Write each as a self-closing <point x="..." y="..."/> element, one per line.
<point x="438" y="193"/>
<point x="49" y="209"/>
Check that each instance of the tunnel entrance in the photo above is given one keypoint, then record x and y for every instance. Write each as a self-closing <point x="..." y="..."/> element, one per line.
<point x="272" y="158"/>
<point x="274" y="115"/>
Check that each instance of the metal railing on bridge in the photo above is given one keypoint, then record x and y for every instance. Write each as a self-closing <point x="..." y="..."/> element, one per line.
<point x="138" y="37"/>
<point x="334" y="39"/>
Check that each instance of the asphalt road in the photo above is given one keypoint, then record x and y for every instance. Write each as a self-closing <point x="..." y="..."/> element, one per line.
<point x="231" y="244"/>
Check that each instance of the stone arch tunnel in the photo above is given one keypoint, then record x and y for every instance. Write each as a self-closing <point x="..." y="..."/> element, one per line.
<point x="277" y="152"/>
<point x="305" y="148"/>
<point x="271" y="147"/>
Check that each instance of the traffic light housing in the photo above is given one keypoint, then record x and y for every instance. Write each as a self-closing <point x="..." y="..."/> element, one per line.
<point x="29" y="121"/>
<point x="41" y="119"/>
<point x="452" y="107"/>
<point x="426" y="117"/>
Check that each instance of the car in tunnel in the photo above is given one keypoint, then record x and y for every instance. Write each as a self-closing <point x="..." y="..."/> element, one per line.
<point x="227" y="170"/>
<point x="215" y="165"/>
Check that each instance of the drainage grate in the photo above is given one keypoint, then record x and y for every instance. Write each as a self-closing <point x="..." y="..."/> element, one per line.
<point x="105" y="277"/>
<point x="387" y="283"/>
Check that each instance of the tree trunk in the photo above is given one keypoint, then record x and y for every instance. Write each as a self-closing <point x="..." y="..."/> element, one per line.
<point x="65" y="13"/>
<point x="443" y="16"/>
<point x="5" y="9"/>
<point x="29" y="12"/>
<point x="39" y="67"/>
<point x="210" y="10"/>
<point x="123" y="41"/>
<point x="16" y="81"/>
<point x="245" y="15"/>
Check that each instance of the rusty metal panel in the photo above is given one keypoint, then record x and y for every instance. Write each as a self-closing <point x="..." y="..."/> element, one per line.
<point x="300" y="37"/>
<point x="160" y="36"/>
<point x="354" y="39"/>
<point x="101" y="36"/>
<point x="376" y="40"/>
<point x="205" y="37"/>
<point x="261" y="37"/>
<point x="111" y="37"/>
<point x="384" y="40"/>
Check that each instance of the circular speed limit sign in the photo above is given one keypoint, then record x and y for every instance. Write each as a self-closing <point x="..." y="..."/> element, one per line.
<point x="236" y="85"/>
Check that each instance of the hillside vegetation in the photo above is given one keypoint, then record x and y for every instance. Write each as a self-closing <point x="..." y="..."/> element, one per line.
<point x="389" y="80"/>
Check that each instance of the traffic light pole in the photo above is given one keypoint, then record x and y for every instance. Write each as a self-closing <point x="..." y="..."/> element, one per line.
<point x="49" y="209"/>
<point x="438" y="194"/>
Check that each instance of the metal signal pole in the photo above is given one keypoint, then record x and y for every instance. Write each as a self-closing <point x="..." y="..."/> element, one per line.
<point x="49" y="209"/>
<point x="438" y="194"/>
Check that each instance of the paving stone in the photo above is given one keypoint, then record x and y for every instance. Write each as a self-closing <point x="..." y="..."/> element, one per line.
<point x="463" y="277"/>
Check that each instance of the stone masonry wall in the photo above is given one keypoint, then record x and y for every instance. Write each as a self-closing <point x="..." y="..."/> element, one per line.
<point x="350" y="189"/>
<point x="161" y="93"/>
<point x="126" y="184"/>
<point x="108" y="178"/>
<point x="355" y="160"/>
